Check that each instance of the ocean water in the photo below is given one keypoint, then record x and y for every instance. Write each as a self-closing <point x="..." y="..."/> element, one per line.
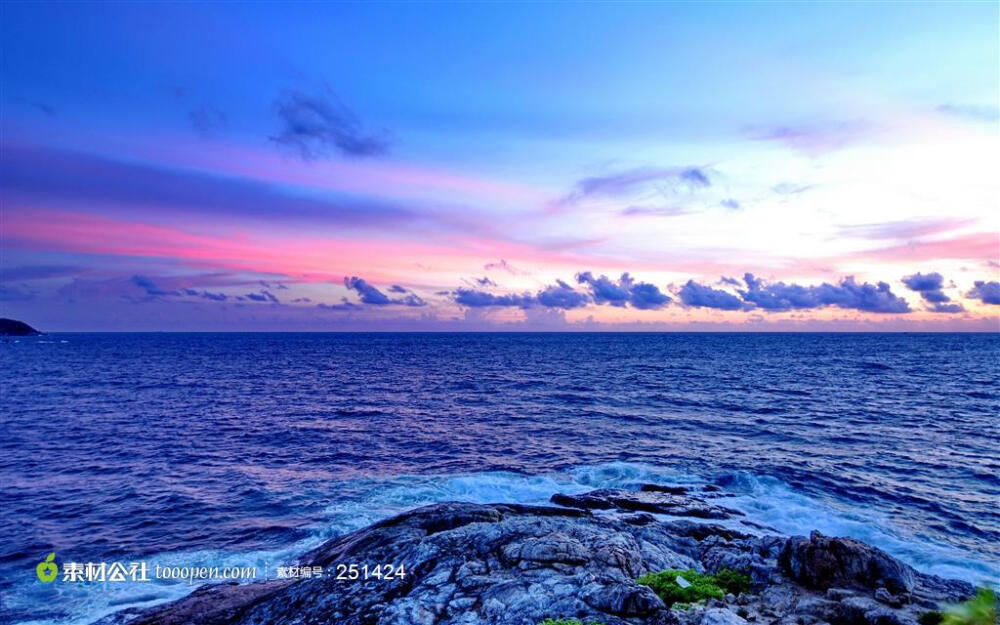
<point x="235" y="449"/>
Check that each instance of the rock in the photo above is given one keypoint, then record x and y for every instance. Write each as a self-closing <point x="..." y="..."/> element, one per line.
<point x="466" y="563"/>
<point x="778" y="600"/>
<point x="885" y="617"/>
<point x="546" y="550"/>
<point x="839" y="594"/>
<point x="718" y="553"/>
<point x="721" y="616"/>
<point x="663" y="617"/>
<point x="13" y="327"/>
<point x="884" y="596"/>
<point x="933" y="590"/>
<point x="817" y="608"/>
<point x="700" y="531"/>
<point x="759" y="526"/>
<point x="690" y="616"/>
<point x="584" y="502"/>
<point x="505" y="564"/>
<point x="657" y="488"/>
<point x="861" y="611"/>
<point x="660" y="502"/>
<point x="625" y="599"/>
<point x="822" y="562"/>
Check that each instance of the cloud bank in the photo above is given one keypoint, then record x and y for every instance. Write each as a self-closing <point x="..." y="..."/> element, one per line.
<point x="374" y="297"/>
<point x="986" y="292"/>
<point x="930" y="286"/>
<point x="624" y="292"/>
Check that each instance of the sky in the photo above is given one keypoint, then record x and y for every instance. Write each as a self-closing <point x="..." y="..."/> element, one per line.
<point x="492" y="166"/>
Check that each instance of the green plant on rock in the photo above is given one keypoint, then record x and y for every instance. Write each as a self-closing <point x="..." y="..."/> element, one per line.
<point x="979" y="610"/>
<point x="700" y="585"/>
<point x="733" y="581"/>
<point x="932" y="617"/>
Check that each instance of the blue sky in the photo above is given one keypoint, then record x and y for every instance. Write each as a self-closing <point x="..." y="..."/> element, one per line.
<point x="209" y="147"/>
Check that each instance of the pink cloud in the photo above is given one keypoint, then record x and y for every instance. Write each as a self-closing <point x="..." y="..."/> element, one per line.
<point x="304" y="258"/>
<point x="974" y="246"/>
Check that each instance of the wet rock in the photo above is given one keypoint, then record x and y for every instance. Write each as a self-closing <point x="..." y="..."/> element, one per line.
<point x="933" y="589"/>
<point x="659" y="488"/>
<point x="821" y="562"/>
<point x="700" y="531"/>
<point x="659" y="502"/>
<point x="759" y="526"/>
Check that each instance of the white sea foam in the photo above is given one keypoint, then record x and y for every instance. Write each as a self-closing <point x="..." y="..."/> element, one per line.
<point x="765" y="500"/>
<point x="771" y="502"/>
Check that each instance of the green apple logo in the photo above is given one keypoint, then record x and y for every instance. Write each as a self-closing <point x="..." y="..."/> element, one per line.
<point x="47" y="570"/>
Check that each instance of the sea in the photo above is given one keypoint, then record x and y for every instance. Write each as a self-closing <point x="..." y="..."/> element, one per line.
<point x="248" y="449"/>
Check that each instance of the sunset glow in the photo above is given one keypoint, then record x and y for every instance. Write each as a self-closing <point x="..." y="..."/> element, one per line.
<point x="186" y="168"/>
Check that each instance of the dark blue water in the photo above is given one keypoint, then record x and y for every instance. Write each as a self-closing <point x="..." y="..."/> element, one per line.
<point x="249" y="447"/>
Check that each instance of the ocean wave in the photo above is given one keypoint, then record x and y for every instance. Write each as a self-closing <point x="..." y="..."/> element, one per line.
<point x="765" y="500"/>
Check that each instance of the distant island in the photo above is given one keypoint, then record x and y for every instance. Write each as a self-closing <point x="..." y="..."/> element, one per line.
<point x="13" y="327"/>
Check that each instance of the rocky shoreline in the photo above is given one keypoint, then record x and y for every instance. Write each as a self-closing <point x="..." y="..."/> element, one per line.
<point x="511" y="564"/>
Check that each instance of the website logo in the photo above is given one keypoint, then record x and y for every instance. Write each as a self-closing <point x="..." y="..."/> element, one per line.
<point x="48" y="570"/>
